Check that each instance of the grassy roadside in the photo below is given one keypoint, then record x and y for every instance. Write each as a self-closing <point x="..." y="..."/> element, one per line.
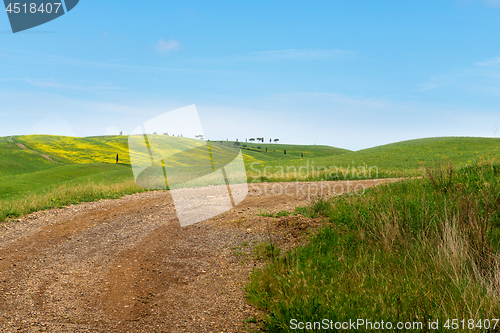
<point x="29" y="183"/>
<point x="25" y="174"/>
<point x="63" y="195"/>
<point x="88" y="171"/>
<point x="19" y="185"/>
<point x="399" y="159"/>
<point x="267" y="161"/>
<point x="420" y="250"/>
<point x="14" y="160"/>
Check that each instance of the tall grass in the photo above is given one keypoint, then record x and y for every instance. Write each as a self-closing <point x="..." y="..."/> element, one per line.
<point x="58" y="196"/>
<point x="419" y="250"/>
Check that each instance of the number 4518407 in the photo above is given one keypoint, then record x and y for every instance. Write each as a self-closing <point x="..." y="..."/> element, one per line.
<point x="471" y="324"/>
<point x="33" y="8"/>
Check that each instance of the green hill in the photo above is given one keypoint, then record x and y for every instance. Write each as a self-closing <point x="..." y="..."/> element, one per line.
<point x="14" y="161"/>
<point x="104" y="149"/>
<point x="91" y="160"/>
<point x="79" y="150"/>
<point x="406" y="157"/>
<point x="398" y="159"/>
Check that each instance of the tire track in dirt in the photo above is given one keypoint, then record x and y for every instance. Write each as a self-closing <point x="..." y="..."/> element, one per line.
<point x="126" y="265"/>
<point x="20" y="145"/>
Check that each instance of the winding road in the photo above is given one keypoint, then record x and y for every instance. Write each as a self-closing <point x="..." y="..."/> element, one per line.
<point x="20" y="145"/>
<point x="126" y="265"/>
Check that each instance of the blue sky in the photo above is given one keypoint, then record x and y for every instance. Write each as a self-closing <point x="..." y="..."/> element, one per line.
<point x="351" y="74"/>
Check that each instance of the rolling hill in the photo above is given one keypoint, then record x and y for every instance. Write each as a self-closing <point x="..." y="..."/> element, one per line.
<point x="92" y="160"/>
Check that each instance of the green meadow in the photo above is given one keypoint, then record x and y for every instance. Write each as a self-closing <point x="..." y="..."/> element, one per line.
<point x="17" y="161"/>
<point x="417" y="251"/>
<point x="29" y="182"/>
<point x="400" y="159"/>
<point x="91" y="161"/>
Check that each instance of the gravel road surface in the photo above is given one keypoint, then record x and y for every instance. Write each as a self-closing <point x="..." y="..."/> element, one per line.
<point x="126" y="265"/>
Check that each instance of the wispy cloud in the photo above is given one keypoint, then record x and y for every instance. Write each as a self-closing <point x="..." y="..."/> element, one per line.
<point x="439" y="81"/>
<point x="492" y="3"/>
<point x="51" y="83"/>
<point x="53" y="124"/>
<point x="279" y="55"/>
<point x="112" y="64"/>
<point x="489" y="3"/>
<point x="167" y="46"/>
<point x="479" y="77"/>
<point x="293" y="54"/>
<point x="352" y="122"/>
<point x="489" y="63"/>
<point x="332" y="99"/>
<point x="111" y="130"/>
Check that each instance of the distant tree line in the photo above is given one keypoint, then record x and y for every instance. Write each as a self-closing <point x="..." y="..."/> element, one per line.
<point x="260" y="140"/>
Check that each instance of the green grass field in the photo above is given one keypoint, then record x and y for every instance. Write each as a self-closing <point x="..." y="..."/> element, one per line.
<point x="16" y="185"/>
<point x="29" y="182"/>
<point x="420" y="250"/>
<point x="92" y="160"/>
<point x="415" y="251"/>
<point x="400" y="159"/>
<point x="17" y="161"/>
<point x="408" y="156"/>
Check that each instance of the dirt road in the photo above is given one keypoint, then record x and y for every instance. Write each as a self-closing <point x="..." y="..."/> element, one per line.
<point x="126" y="265"/>
<point x="20" y="145"/>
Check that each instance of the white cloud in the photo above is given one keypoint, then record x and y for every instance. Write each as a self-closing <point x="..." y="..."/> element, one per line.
<point x="167" y="46"/>
<point x="331" y="99"/>
<point x="480" y="77"/>
<point x="53" y="124"/>
<point x="342" y="121"/>
<point x="51" y="83"/>
<point x="492" y="3"/>
<point x="439" y="81"/>
<point x="111" y="130"/>
<point x="489" y="63"/>
<point x="41" y="113"/>
<point x="352" y="122"/>
<point x="280" y="55"/>
<point x="488" y="3"/>
<point x="294" y="54"/>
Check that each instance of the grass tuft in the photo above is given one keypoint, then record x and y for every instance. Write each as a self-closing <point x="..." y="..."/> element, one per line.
<point x="64" y="195"/>
<point x="419" y="250"/>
